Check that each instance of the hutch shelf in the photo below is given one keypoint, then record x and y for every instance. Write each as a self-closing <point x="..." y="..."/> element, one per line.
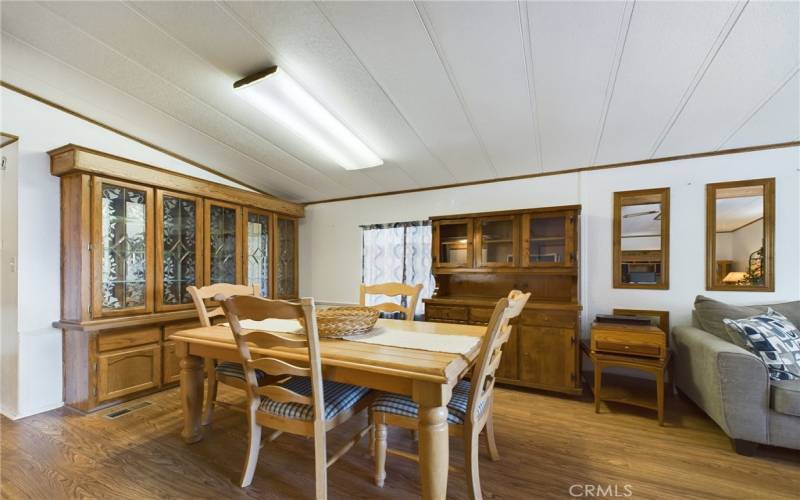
<point x="133" y="237"/>
<point x="479" y="258"/>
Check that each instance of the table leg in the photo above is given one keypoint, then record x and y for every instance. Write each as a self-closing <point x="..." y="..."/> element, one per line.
<point x="660" y="395"/>
<point x="433" y="439"/>
<point x="191" y="393"/>
<point x="598" y="383"/>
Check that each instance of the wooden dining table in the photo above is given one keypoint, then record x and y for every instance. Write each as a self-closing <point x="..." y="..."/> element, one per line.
<point x="427" y="377"/>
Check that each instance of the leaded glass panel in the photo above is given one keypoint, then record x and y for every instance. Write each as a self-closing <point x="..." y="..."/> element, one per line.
<point x="123" y="246"/>
<point x="258" y="251"/>
<point x="223" y="244"/>
<point x="180" y="259"/>
<point x="285" y="258"/>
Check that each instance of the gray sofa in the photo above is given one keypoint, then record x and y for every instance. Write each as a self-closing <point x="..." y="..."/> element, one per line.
<point x="731" y="384"/>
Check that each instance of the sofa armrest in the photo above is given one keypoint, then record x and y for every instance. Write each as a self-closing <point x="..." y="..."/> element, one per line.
<point x="729" y="383"/>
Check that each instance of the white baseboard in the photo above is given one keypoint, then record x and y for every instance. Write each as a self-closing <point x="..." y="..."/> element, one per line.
<point x="35" y="411"/>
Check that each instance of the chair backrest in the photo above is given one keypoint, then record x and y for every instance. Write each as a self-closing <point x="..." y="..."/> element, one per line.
<point x="412" y="293"/>
<point x="200" y="295"/>
<point x="497" y="333"/>
<point x="241" y="307"/>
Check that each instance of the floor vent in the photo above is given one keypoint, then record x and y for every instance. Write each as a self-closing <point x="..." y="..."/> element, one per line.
<point x="124" y="411"/>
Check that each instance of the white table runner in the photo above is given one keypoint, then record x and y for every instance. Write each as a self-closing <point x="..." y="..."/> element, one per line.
<point x="454" y="344"/>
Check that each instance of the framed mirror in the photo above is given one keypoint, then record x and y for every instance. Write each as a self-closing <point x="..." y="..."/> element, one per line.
<point x="740" y="235"/>
<point x="641" y="239"/>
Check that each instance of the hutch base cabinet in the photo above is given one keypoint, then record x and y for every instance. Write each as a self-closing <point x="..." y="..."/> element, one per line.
<point x="479" y="258"/>
<point x="133" y="237"/>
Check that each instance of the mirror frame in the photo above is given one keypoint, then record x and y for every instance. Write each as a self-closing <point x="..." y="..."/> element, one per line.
<point x="617" y="242"/>
<point x="768" y="185"/>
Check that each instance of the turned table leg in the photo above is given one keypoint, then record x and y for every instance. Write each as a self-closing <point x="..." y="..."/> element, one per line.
<point x="191" y="393"/>
<point x="433" y="439"/>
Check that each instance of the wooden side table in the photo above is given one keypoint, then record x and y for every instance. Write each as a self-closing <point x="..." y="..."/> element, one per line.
<point x="632" y="346"/>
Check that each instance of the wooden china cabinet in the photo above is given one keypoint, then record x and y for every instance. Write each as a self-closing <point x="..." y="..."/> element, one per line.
<point x="479" y="258"/>
<point x="133" y="237"/>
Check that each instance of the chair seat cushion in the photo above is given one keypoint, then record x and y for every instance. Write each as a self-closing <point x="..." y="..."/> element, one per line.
<point x="405" y="406"/>
<point x="235" y="370"/>
<point x="337" y="397"/>
<point x="785" y="396"/>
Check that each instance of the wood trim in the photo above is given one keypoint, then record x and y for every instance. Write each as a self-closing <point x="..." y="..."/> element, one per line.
<point x="246" y="249"/>
<point x="617" y="241"/>
<point x="436" y="228"/>
<point x="132" y="137"/>
<point x="276" y="239"/>
<point x="159" y="236"/>
<point x="721" y="152"/>
<point x="742" y="226"/>
<point x="103" y="324"/>
<point x="73" y="158"/>
<point x="519" y="211"/>
<point x="207" y="239"/>
<point x="97" y="245"/>
<point x="7" y="139"/>
<point x="768" y="185"/>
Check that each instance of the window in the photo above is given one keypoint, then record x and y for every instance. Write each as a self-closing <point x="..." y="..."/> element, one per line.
<point x="399" y="252"/>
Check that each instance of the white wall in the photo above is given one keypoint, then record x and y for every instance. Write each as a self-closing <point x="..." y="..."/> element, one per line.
<point x="38" y="370"/>
<point x="746" y="240"/>
<point x="330" y="239"/>
<point x="9" y="343"/>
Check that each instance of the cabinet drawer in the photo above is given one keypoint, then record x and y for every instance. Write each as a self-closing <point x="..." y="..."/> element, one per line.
<point x="452" y="313"/>
<point x="552" y="319"/>
<point x="176" y="327"/>
<point x="124" y="372"/>
<point x="172" y="364"/>
<point x="128" y="337"/>
<point x="480" y="314"/>
<point x="652" y="351"/>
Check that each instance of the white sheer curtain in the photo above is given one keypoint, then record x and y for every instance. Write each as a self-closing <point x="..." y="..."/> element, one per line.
<point x="399" y="252"/>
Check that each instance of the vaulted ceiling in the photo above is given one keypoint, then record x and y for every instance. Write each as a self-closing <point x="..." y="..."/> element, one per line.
<point x="444" y="92"/>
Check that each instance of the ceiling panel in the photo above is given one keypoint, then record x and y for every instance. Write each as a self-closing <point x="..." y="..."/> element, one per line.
<point x="777" y="120"/>
<point x="391" y="41"/>
<point x="484" y="49"/>
<point x="762" y="49"/>
<point x="666" y="45"/>
<point x="574" y="44"/>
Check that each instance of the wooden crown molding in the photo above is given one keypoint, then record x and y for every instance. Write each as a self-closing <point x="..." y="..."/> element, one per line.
<point x="662" y="159"/>
<point x="71" y="158"/>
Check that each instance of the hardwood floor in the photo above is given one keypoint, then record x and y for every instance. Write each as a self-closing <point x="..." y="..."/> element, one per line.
<point x="547" y="444"/>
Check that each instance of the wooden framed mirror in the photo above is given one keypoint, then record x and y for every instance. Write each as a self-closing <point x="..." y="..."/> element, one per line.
<point x="641" y="239"/>
<point x="740" y="235"/>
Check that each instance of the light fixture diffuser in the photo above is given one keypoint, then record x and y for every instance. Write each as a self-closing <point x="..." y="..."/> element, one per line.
<point x="275" y="93"/>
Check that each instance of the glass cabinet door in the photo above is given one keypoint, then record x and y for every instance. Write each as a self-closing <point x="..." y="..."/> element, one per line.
<point x="122" y="248"/>
<point x="257" y="229"/>
<point x="178" y="247"/>
<point x="548" y="239"/>
<point x="286" y="259"/>
<point x="223" y="246"/>
<point x="452" y="243"/>
<point x="496" y="241"/>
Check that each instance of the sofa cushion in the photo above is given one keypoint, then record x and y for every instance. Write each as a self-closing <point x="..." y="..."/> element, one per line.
<point x="774" y="338"/>
<point x="709" y="313"/>
<point x="785" y="396"/>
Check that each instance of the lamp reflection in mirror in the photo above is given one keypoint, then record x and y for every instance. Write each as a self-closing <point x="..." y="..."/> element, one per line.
<point x="278" y="95"/>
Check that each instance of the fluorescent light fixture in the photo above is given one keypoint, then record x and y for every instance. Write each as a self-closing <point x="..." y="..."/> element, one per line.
<point x="275" y="93"/>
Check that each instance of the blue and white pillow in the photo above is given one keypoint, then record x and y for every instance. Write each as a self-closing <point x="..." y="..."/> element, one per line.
<point x="774" y="338"/>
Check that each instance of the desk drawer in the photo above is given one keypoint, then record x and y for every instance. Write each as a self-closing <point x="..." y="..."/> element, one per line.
<point x="650" y="351"/>
<point x="128" y="337"/>
<point x="448" y="313"/>
<point x="550" y="319"/>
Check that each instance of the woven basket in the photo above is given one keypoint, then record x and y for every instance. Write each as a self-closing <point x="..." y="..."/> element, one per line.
<point x="337" y="322"/>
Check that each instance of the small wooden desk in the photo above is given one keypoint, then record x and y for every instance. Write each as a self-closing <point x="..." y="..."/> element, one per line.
<point x="427" y="377"/>
<point x="643" y="347"/>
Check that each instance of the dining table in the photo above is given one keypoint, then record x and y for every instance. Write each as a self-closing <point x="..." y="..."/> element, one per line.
<point x="426" y="376"/>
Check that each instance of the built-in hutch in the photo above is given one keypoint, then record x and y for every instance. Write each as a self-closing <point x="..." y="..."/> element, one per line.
<point x="133" y="237"/>
<point x="479" y="258"/>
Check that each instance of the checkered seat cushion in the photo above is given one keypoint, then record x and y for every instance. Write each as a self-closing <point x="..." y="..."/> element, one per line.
<point x="337" y="397"/>
<point x="235" y="370"/>
<point x="405" y="406"/>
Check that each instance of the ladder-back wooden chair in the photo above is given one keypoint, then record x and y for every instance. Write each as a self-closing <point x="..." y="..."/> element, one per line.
<point x="470" y="407"/>
<point x="411" y="292"/>
<point x="228" y="373"/>
<point x="301" y="404"/>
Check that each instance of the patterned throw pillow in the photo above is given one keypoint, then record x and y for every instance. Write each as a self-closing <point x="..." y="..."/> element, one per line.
<point x="775" y="339"/>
